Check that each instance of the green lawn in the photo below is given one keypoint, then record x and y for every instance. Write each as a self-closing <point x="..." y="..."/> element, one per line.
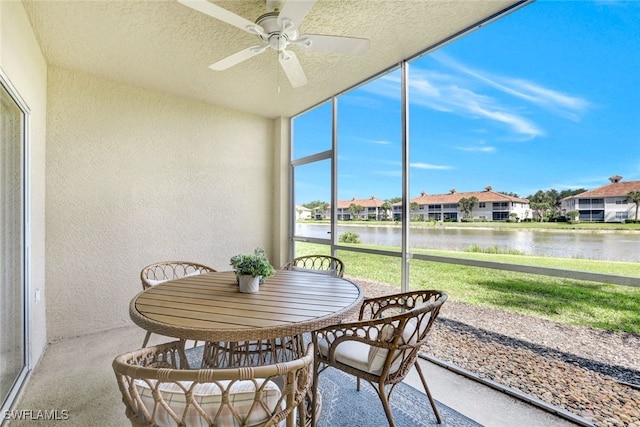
<point x="595" y="305"/>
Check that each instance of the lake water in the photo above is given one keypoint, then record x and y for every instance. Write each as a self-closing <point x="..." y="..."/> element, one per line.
<point x="611" y="246"/>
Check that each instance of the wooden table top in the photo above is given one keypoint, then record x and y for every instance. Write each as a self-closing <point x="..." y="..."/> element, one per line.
<point x="210" y="307"/>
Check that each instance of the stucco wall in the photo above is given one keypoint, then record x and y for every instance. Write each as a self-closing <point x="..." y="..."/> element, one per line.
<point x="23" y="63"/>
<point x="134" y="177"/>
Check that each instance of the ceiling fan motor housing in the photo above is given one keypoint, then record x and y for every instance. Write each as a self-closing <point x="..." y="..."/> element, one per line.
<point x="278" y="36"/>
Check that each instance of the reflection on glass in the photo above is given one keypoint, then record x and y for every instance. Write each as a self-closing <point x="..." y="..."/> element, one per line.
<point x="12" y="351"/>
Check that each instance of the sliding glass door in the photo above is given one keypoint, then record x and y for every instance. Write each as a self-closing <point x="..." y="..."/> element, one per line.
<point x="12" y="277"/>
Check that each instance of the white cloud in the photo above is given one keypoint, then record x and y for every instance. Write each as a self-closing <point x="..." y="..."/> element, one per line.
<point x="480" y="149"/>
<point x="461" y="90"/>
<point x="374" y="141"/>
<point x="449" y="93"/>
<point x="419" y="165"/>
<point x="555" y="101"/>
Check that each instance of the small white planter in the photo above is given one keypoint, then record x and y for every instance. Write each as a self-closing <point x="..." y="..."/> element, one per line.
<point x="249" y="284"/>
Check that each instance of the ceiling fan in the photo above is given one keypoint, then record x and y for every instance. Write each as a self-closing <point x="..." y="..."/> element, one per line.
<point x="278" y="29"/>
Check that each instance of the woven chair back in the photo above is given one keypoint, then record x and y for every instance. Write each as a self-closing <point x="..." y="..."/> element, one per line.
<point x="319" y="263"/>
<point x="169" y="270"/>
<point x="159" y="389"/>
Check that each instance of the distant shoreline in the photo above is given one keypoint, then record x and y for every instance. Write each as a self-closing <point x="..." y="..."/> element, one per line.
<point x="528" y="226"/>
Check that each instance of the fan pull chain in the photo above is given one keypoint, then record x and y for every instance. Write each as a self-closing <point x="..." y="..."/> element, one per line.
<point x="278" y="71"/>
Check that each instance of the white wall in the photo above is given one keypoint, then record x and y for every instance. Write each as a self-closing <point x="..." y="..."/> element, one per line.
<point x="24" y="65"/>
<point x="134" y="177"/>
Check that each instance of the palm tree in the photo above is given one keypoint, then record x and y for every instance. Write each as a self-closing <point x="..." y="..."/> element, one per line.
<point x="386" y="208"/>
<point x="634" y="197"/>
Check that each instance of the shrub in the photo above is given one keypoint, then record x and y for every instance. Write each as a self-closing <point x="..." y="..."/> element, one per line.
<point x="492" y="250"/>
<point x="349" y="237"/>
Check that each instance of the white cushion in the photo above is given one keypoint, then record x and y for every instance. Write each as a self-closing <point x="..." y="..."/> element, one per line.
<point x="209" y="396"/>
<point x="157" y="282"/>
<point x="378" y="355"/>
<point x="408" y="336"/>
<point x="351" y="353"/>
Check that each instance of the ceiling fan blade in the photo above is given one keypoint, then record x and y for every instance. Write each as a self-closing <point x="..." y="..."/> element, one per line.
<point x="295" y="11"/>
<point x="337" y="44"/>
<point x="223" y="14"/>
<point x="237" y="57"/>
<point x="292" y="68"/>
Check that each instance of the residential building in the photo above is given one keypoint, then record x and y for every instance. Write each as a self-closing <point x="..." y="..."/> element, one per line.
<point x="302" y="212"/>
<point x="603" y="204"/>
<point x="490" y="206"/>
<point x="363" y="209"/>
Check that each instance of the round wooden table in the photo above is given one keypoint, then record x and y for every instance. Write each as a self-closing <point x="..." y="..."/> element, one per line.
<point x="210" y="307"/>
<point x="247" y="329"/>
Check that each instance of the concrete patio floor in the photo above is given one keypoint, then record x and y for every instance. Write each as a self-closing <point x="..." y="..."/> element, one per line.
<point x="75" y="378"/>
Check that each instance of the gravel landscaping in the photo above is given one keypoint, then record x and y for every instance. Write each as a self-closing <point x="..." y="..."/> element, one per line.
<point x="593" y="374"/>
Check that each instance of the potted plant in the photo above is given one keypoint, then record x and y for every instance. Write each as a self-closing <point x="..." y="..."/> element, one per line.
<point x="251" y="269"/>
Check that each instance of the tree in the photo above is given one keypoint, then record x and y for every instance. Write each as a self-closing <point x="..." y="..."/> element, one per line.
<point x="386" y="208"/>
<point x="313" y="204"/>
<point x="467" y="204"/>
<point x="542" y="203"/>
<point x="634" y="197"/>
<point x="354" y="209"/>
<point x="573" y="215"/>
<point x="317" y="207"/>
<point x="546" y="203"/>
<point x="394" y="200"/>
<point x="567" y="193"/>
<point x="509" y="193"/>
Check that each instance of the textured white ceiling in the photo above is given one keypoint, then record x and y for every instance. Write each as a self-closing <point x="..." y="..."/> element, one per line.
<point x="165" y="46"/>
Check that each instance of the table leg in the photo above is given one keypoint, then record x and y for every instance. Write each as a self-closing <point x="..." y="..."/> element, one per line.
<point x="261" y="352"/>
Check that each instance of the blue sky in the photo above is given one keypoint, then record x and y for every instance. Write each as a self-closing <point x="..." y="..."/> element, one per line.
<point x="546" y="97"/>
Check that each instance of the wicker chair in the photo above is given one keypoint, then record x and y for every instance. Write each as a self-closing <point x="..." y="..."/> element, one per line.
<point x="159" y="272"/>
<point x="382" y="346"/>
<point x="317" y="264"/>
<point x="159" y="390"/>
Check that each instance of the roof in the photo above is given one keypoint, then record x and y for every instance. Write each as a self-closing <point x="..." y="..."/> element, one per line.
<point x="372" y="202"/>
<point x="615" y="189"/>
<point x="486" y="196"/>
